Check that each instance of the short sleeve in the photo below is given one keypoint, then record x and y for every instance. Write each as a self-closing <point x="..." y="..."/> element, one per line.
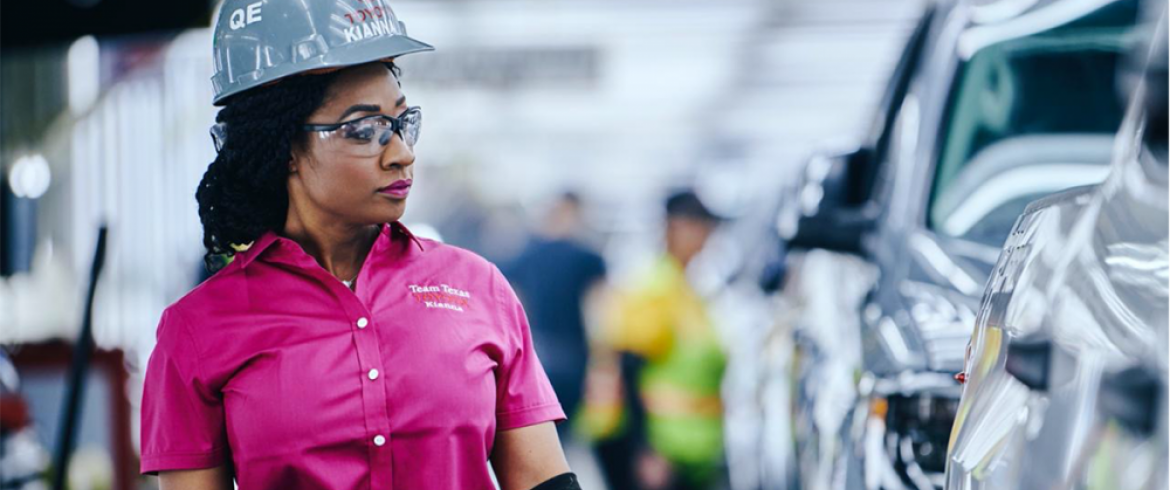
<point x="182" y="419"/>
<point x="524" y="395"/>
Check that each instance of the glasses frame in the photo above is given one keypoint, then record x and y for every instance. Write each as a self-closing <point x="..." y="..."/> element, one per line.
<point x="397" y="124"/>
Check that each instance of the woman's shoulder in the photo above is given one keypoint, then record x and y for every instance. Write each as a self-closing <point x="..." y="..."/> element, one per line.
<point x="466" y="269"/>
<point x="457" y="256"/>
<point x="223" y="291"/>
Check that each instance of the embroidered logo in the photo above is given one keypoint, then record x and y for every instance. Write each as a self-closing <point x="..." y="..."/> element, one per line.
<point x="441" y="296"/>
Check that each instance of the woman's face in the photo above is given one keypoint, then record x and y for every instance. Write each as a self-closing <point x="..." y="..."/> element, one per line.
<point x="345" y="178"/>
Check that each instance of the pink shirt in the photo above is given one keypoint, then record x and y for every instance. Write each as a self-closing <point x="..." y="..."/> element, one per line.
<point x="273" y="365"/>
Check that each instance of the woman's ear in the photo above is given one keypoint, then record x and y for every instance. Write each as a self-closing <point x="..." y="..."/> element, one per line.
<point x="296" y="156"/>
<point x="299" y="156"/>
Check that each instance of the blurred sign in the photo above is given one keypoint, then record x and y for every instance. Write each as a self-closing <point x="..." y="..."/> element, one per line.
<point x="30" y="23"/>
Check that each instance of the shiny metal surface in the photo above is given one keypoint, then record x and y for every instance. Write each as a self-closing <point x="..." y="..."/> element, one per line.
<point x="986" y="441"/>
<point x="1086" y="271"/>
<point x="916" y="320"/>
<point x="827" y="343"/>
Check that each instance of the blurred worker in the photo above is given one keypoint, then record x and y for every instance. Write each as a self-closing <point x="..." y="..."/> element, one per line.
<point x="663" y="322"/>
<point x="554" y="275"/>
<point x="336" y="349"/>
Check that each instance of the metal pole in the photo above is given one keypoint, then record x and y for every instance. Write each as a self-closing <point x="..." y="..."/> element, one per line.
<point x="78" y="369"/>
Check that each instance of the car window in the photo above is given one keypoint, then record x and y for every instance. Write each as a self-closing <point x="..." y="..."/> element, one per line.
<point x="1155" y="134"/>
<point x="1041" y="108"/>
<point x="982" y="201"/>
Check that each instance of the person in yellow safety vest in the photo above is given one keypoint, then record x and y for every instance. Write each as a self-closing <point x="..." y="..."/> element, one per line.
<point x="662" y="321"/>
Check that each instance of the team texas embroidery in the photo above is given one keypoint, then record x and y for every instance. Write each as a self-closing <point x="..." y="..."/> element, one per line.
<point x="441" y="296"/>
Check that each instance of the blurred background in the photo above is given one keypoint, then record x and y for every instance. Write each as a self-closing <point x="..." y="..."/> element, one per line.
<point x="104" y="116"/>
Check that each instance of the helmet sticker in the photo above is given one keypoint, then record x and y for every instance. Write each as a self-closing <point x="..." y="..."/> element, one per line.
<point x="380" y="27"/>
<point x="246" y="16"/>
<point x="369" y="22"/>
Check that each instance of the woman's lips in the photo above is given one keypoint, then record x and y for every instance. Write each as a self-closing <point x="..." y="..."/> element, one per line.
<point x="399" y="189"/>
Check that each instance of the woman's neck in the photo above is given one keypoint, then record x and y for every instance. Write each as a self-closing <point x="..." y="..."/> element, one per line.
<point x="339" y="248"/>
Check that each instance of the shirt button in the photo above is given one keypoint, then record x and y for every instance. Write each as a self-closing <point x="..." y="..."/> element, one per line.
<point x="379" y="440"/>
<point x="373" y="374"/>
<point x="362" y="322"/>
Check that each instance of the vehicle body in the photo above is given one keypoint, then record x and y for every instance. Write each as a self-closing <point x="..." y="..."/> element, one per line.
<point x="1068" y="369"/>
<point x="982" y="128"/>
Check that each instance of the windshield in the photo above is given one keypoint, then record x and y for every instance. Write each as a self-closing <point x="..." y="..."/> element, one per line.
<point x="1030" y="116"/>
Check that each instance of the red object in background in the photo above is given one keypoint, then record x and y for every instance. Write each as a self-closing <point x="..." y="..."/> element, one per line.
<point x="13" y="413"/>
<point x="961" y="378"/>
<point x="55" y="357"/>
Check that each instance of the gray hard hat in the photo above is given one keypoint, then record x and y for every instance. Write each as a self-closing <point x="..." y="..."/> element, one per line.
<point x="256" y="42"/>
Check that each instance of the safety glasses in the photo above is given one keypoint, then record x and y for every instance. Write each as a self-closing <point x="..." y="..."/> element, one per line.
<point x="368" y="136"/>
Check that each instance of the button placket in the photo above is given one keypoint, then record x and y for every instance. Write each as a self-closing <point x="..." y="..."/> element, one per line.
<point x="374" y="397"/>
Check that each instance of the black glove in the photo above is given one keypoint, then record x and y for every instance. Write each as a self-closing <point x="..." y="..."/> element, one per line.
<point x="564" y="481"/>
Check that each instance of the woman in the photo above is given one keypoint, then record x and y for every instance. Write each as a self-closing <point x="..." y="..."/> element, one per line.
<point x="335" y="350"/>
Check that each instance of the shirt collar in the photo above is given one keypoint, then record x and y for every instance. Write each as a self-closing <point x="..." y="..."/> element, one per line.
<point x="397" y="227"/>
<point x="270" y="237"/>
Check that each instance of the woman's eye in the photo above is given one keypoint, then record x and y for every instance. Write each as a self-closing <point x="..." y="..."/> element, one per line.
<point x="363" y="133"/>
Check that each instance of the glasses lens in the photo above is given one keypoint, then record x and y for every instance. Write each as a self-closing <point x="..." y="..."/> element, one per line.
<point x="219" y="135"/>
<point x="357" y="138"/>
<point x="362" y="132"/>
<point x="411" y="125"/>
<point x="369" y="137"/>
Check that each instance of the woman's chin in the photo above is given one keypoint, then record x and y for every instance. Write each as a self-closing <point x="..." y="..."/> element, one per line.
<point x="382" y="210"/>
<point x="394" y="213"/>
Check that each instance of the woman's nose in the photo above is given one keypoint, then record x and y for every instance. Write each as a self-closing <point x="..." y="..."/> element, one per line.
<point x="397" y="152"/>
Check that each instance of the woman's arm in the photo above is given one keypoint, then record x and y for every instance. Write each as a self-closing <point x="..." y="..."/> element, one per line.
<point x="218" y="478"/>
<point x="528" y="456"/>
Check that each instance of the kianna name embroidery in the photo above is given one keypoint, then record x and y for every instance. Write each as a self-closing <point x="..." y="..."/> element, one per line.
<point x="441" y="296"/>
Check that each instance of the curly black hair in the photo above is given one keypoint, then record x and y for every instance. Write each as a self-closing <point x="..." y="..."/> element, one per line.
<point x="244" y="192"/>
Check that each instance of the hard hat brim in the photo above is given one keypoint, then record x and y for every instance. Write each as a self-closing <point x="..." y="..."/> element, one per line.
<point x="357" y="54"/>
